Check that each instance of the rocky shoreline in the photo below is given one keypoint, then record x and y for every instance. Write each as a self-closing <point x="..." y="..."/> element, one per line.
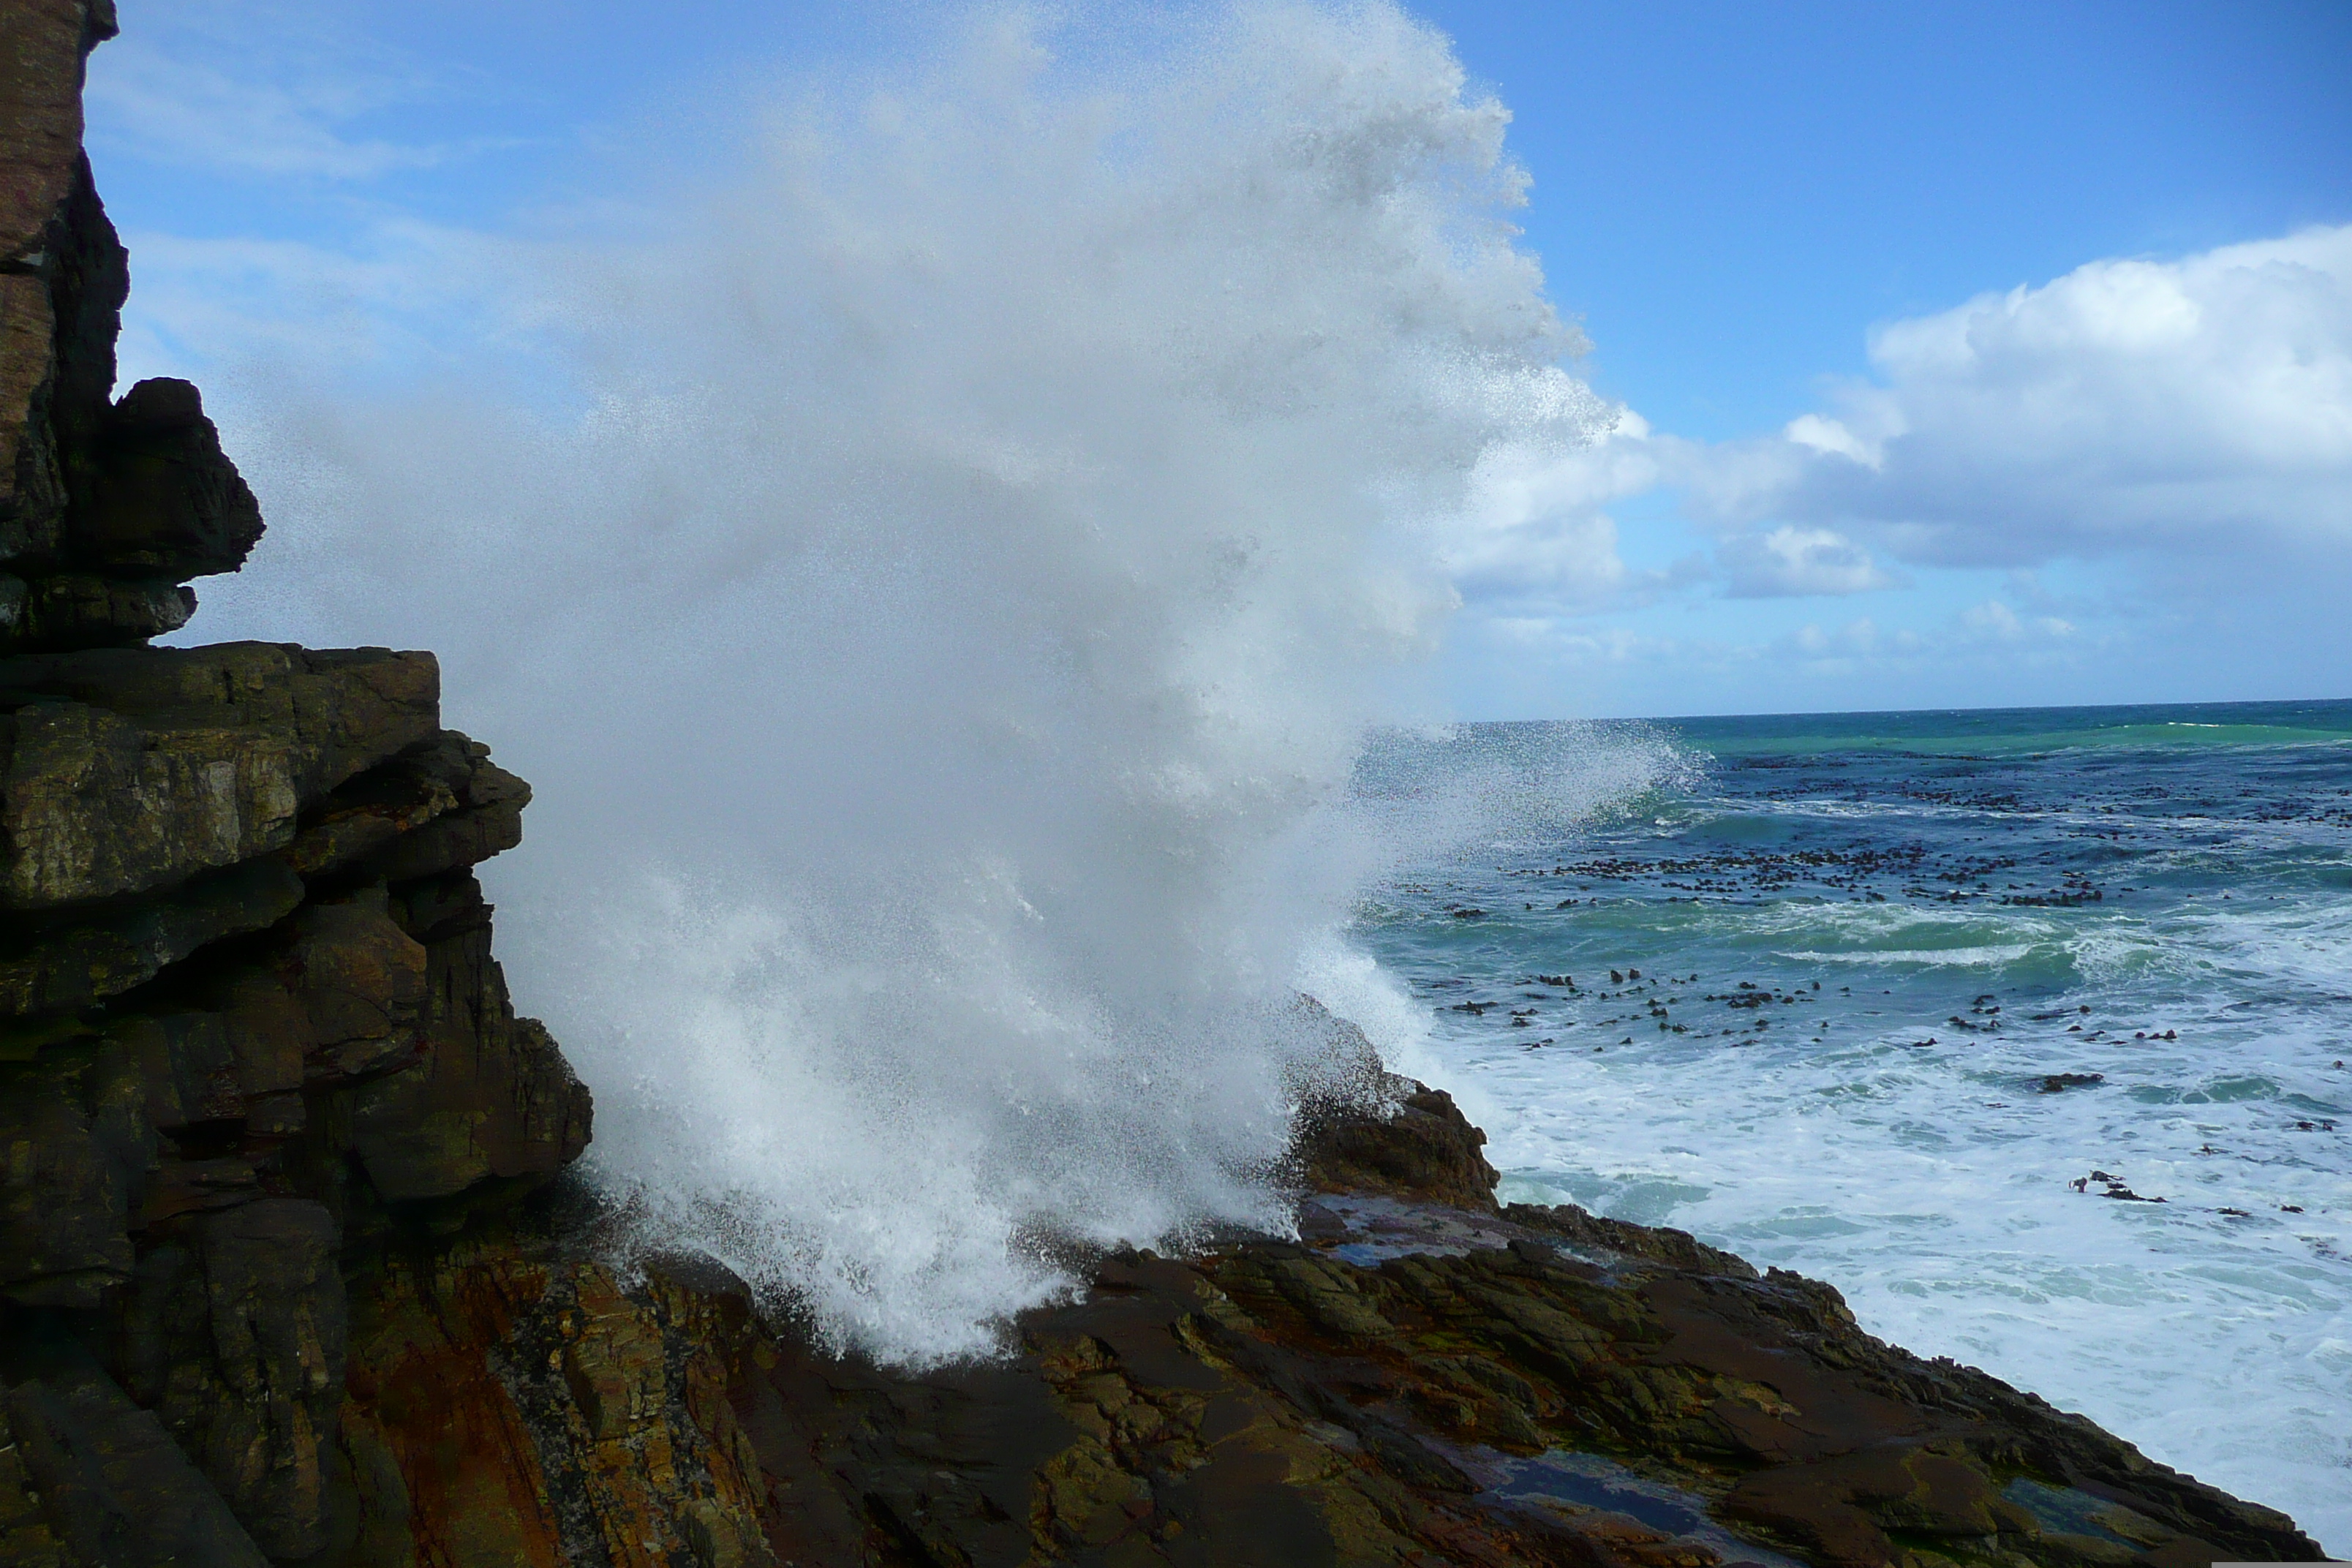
<point x="290" y="1270"/>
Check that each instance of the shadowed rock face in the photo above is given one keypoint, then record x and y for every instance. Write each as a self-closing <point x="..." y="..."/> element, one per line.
<point x="106" y="506"/>
<point x="250" y="1027"/>
<point x="266" y="1295"/>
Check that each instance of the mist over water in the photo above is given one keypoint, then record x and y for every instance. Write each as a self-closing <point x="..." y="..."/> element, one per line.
<point x="941" y="620"/>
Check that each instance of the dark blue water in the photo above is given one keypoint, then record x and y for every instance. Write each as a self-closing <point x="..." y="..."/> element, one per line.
<point x="1937" y="1006"/>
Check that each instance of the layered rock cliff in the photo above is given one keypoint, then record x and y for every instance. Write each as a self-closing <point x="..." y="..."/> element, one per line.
<point x="249" y="1021"/>
<point x="284" y="1276"/>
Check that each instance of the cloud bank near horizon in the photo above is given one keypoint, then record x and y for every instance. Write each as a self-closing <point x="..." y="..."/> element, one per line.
<point x="2168" y="434"/>
<point x="2132" y="404"/>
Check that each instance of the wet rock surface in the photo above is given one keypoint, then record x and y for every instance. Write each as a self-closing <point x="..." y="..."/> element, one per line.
<point x="1409" y="1382"/>
<point x="284" y="1277"/>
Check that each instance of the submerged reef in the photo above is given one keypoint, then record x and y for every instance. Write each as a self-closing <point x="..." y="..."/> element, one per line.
<point x="290" y="1272"/>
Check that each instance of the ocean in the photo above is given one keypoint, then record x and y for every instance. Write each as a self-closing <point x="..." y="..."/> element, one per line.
<point x="2027" y="1029"/>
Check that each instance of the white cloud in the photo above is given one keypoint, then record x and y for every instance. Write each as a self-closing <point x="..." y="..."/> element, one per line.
<point x="1831" y="437"/>
<point x="1533" y="536"/>
<point x="1789" y="560"/>
<point x="1993" y="621"/>
<point x="259" y="91"/>
<point x="2204" y="403"/>
<point x="399" y="296"/>
<point x="1580" y="645"/>
<point x="1856" y="641"/>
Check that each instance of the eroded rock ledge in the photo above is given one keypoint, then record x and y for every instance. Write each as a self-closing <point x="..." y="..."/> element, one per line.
<point x="280" y="1282"/>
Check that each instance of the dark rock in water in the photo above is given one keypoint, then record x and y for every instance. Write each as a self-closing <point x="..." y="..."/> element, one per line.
<point x="1426" y="1150"/>
<point x="267" y="1294"/>
<point x="2059" y="1082"/>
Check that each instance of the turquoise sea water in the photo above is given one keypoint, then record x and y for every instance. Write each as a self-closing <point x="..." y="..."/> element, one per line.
<point x="1935" y="1006"/>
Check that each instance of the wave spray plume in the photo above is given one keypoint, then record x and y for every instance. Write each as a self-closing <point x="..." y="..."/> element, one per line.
<point x="943" y="641"/>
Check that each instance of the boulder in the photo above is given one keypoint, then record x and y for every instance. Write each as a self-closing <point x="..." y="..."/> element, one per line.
<point x="1421" y="1145"/>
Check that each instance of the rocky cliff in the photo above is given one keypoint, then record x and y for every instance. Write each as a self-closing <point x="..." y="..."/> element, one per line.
<point x="250" y="1027"/>
<point x="284" y="1277"/>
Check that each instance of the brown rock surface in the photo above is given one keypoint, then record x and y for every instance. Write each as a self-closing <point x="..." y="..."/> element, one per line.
<point x="250" y="1029"/>
<point x="106" y="506"/>
<point x="1408" y="1383"/>
<point x="62" y="273"/>
<point x="1427" y="1151"/>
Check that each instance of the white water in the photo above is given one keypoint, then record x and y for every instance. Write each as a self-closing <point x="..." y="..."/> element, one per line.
<point x="981" y="523"/>
<point x="1934" y="1184"/>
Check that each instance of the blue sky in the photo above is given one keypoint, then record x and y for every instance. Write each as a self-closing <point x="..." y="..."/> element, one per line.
<point x="1973" y="354"/>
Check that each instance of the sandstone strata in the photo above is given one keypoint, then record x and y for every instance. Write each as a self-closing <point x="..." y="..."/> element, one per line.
<point x="267" y="1294"/>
